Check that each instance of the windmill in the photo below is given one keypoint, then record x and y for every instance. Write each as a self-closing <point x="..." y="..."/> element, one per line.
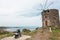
<point x="44" y="8"/>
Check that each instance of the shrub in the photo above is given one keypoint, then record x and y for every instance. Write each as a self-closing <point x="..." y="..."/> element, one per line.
<point x="26" y="31"/>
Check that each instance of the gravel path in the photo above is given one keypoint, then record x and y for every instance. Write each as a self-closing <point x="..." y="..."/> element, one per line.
<point x="24" y="37"/>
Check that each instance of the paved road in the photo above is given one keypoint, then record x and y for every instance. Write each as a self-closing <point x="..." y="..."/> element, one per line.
<point x="24" y="37"/>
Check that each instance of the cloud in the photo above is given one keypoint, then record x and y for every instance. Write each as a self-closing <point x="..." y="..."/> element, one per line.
<point x="22" y="12"/>
<point x="11" y="11"/>
<point x="31" y="13"/>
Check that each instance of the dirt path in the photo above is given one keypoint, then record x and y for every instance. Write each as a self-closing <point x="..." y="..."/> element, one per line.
<point x="41" y="35"/>
<point x="24" y="37"/>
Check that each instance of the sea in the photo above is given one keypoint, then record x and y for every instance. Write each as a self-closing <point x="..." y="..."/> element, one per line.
<point x="12" y="29"/>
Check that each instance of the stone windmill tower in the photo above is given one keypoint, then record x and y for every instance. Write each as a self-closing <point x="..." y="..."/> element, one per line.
<point x="50" y="17"/>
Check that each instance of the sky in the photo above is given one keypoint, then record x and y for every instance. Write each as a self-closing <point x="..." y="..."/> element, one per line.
<point x="24" y="12"/>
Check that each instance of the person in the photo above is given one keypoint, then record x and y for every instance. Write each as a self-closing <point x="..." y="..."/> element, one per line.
<point x="17" y="34"/>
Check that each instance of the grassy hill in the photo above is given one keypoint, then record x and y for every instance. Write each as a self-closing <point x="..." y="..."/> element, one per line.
<point x="5" y="34"/>
<point x="45" y="34"/>
<point x="55" y="34"/>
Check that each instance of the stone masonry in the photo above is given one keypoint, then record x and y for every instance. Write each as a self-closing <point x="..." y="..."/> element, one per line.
<point x="50" y="17"/>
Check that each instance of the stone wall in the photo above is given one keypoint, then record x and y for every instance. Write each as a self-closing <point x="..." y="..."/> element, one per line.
<point x="50" y="17"/>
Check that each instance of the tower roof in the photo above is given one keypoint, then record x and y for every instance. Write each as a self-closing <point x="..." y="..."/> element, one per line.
<point x="44" y="11"/>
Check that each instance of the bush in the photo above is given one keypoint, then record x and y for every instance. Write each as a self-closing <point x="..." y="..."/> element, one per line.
<point x="37" y="28"/>
<point x="26" y="31"/>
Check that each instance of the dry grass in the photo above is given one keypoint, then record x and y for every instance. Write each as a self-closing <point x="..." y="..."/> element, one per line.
<point x="46" y="35"/>
<point x="41" y="35"/>
<point x="55" y="34"/>
<point x="5" y="34"/>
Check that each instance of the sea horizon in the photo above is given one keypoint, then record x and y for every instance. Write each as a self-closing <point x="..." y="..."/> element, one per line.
<point x="12" y="29"/>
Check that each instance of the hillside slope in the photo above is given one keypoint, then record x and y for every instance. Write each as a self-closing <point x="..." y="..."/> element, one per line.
<point x="46" y="35"/>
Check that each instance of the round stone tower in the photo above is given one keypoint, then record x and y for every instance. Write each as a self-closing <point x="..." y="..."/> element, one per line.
<point x="50" y="17"/>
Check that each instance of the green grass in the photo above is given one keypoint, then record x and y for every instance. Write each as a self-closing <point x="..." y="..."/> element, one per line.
<point x="5" y="34"/>
<point x="33" y="32"/>
<point x="55" y="34"/>
<point x="28" y="32"/>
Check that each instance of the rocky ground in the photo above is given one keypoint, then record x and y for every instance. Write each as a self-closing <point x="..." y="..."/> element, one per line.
<point x="41" y="35"/>
<point x="24" y="37"/>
